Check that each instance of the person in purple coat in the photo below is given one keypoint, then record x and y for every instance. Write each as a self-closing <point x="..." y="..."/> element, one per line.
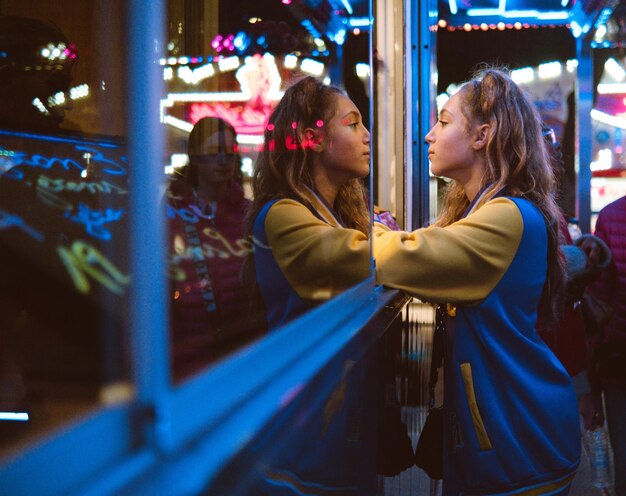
<point x="610" y="343"/>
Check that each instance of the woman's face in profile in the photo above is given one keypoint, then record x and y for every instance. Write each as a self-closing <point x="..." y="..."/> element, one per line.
<point x="216" y="158"/>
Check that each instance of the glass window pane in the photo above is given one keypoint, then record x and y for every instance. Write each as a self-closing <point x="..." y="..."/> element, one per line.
<point x="63" y="208"/>
<point x="228" y="65"/>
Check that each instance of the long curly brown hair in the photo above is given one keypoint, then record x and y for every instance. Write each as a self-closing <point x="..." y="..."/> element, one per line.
<point x="284" y="166"/>
<point x="516" y="159"/>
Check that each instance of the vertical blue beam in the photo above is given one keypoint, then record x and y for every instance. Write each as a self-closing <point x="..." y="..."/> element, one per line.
<point x="584" y="98"/>
<point x="423" y="59"/>
<point x="372" y="115"/>
<point x="148" y="303"/>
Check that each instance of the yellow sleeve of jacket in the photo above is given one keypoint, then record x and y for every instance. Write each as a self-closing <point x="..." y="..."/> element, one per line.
<point x="461" y="262"/>
<point x="318" y="260"/>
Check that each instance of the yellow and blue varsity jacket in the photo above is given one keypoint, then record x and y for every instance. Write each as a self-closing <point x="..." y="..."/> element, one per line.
<point x="510" y="411"/>
<point x="303" y="256"/>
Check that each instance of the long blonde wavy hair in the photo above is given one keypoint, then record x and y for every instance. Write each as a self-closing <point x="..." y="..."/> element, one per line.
<point x="518" y="160"/>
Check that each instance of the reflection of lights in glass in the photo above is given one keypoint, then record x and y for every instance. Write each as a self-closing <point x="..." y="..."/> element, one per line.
<point x="571" y="65"/>
<point x="553" y="16"/>
<point x="221" y="43"/>
<point x="604" y="16"/>
<point x="168" y="73"/>
<point x="178" y="123"/>
<point x="442" y="23"/>
<point x="611" y="88"/>
<point x="362" y="70"/>
<point x="291" y="61"/>
<point x="250" y="139"/>
<point x="453" y="7"/>
<point x="56" y="99"/>
<point x="576" y="29"/>
<point x="347" y="5"/>
<point x="483" y="12"/>
<point x="40" y="106"/>
<point x="254" y="20"/>
<point x="247" y="166"/>
<point x="17" y="416"/>
<point x="80" y="91"/>
<point x="286" y="2"/>
<point x="467" y="26"/>
<point x="340" y="37"/>
<point x="196" y="75"/>
<point x="549" y="70"/>
<point x="240" y="42"/>
<point x="229" y="64"/>
<point x="308" y="25"/>
<point x="600" y="33"/>
<point x="179" y="159"/>
<point x="524" y="75"/>
<point x="60" y="51"/>
<point x="359" y="22"/>
<point x="604" y="162"/>
<point x="605" y="118"/>
<point x="312" y="67"/>
<point x="616" y="71"/>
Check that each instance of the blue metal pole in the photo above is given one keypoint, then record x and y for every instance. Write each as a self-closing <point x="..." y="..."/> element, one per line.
<point x="423" y="58"/>
<point x="148" y="303"/>
<point x="584" y="94"/>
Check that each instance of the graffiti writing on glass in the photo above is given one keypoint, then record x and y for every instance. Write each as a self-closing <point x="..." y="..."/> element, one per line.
<point x="48" y="187"/>
<point x="94" y="220"/>
<point x="83" y="260"/>
<point x="97" y="161"/>
<point x="224" y="249"/>
<point x="8" y="220"/>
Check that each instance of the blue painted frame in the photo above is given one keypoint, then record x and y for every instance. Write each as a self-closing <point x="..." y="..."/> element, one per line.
<point x="218" y="412"/>
<point x="422" y="18"/>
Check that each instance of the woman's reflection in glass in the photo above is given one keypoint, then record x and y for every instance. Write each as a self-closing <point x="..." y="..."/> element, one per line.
<point x="206" y="208"/>
<point x="309" y="220"/>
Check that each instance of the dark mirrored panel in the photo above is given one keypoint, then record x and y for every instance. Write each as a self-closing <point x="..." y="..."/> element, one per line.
<point x="63" y="213"/>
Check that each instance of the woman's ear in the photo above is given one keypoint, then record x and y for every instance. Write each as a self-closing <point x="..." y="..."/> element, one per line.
<point x="482" y="134"/>
<point x="313" y="139"/>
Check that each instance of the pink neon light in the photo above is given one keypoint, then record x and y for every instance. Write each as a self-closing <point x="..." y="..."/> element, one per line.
<point x="294" y="125"/>
<point x="270" y="127"/>
<point x="320" y="123"/>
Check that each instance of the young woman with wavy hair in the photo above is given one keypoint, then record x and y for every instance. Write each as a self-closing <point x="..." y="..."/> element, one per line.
<point x="307" y="187"/>
<point x="492" y="260"/>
